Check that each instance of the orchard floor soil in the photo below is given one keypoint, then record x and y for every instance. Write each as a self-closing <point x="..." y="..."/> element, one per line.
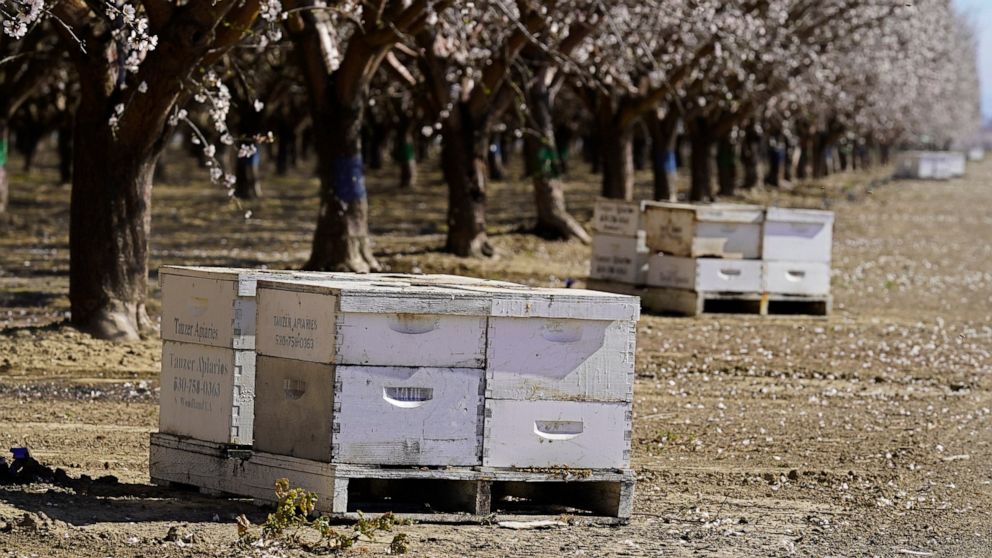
<point x="863" y="434"/>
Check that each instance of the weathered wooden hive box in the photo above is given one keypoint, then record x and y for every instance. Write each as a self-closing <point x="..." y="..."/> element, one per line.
<point x="619" y="251"/>
<point x="559" y="378"/>
<point x="619" y="258"/>
<point x="798" y="235"/>
<point x="370" y="373"/>
<point x="617" y="217"/>
<point x="705" y="274"/>
<point x="717" y="230"/>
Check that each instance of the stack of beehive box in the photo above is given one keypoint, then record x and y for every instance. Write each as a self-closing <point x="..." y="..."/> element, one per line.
<point x="723" y="248"/>
<point x="619" y="252"/>
<point x="438" y="379"/>
<point x="939" y="165"/>
<point x="433" y="374"/>
<point x="727" y="251"/>
<point x="208" y="357"/>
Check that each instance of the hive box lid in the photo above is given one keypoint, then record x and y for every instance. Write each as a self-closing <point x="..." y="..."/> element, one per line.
<point x="390" y="296"/>
<point x="721" y="212"/>
<point x="799" y="215"/>
<point x="247" y="278"/>
<point x="537" y="302"/>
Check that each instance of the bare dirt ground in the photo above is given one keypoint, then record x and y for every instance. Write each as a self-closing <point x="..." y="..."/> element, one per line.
<point x="865" y="434"/>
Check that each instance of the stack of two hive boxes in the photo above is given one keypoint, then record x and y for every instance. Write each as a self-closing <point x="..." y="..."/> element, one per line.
<point x="430" y="373"/>
<point x="725" y="248"/>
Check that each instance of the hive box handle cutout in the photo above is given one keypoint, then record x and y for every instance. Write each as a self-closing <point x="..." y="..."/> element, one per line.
<point x="413" y="324"/>
<point x="294" y="389"/>
<point x="558" y="429"/>
<point x="407" y="397"/>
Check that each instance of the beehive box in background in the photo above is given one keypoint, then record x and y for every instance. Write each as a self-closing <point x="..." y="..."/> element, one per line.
<point x="617" y="217"/>
<point x="207" y="392"/>
<point x="704" y="274"/>
<point x="717" y="230"/>
<point x="799" y="235"/>
<point x="795" y="278"/>
<point x="619" y="258"/>
<point x="375" y="415"/>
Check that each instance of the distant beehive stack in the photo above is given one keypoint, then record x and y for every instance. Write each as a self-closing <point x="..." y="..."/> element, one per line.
<point x="729" y="253"/>
<point x="937" y="165"/>
<point x="497" y="383"/>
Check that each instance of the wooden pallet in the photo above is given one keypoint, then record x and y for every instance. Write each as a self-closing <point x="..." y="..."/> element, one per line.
<point x="691" y="303"/>
<point x="438" y="495"/>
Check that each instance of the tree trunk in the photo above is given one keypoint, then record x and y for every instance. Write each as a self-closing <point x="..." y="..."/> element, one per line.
<point x="640" y="147"/>
<point x="65" y="149"/>
<point x="821" y="151"/>
<point x="700" y="160"/>
<point x="663" y="147"/>
<point x="787" y="162"/>
<point x="726" y="165"/>
<point x="775" y="157"/>
<point x="4" y="182"/>
<point x="750" y="148"/>
<point x="405" y="152"/>
<point x="805" y="155"/>
<point x="593" y="152"/>
<point x="496" y="168"/>
<point x="109" y="223"/>
<point x="341" y="241"/>
<point x="463" y="161"/>
<point x="247" y="185"/>
<point x="285" y="145"/>
<point x="545" y="167"/>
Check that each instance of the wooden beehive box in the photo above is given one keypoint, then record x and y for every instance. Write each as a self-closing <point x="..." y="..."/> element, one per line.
<point x="207" y="392"/>
<point x="795" y="278"/>
<point x="798" y="235"/>
<point x="617" y="217"/>
<point x="375" y="415"/>
<point x="718" y="230"/>
<point x="372" y="323"/>
<point x="704" y="274"/>
<point x="619" y="258"/>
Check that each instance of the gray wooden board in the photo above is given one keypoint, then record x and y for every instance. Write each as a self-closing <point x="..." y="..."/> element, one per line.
<point x="209" y="466"/>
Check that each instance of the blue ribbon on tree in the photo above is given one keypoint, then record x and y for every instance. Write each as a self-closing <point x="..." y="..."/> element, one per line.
<point x="348" y="174"/>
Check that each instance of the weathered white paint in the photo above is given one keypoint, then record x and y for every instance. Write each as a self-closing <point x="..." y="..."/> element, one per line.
<point x="312" y="326"/>
<point x="616" y="217"/>
<point x="207" y="392"/>
<point x="797" y="235"/>
<point x="556" y="434"/>
<point x="976" y="154"/>
<point x="799" y="278"/>
<point x="534" y="302"/>
<point x="554" y="358"/>
<point x="720" y="230"/>
<point x="937" y="165"/>
<point x="619" y="258"/>
<point x="408" y="416"/>
<point x="704" y="274"/>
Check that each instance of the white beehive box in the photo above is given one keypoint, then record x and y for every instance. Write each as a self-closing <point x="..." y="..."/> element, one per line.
<point x="617" y="217"/>
<point x="704" y="274"/>
<point x="369" y="415"/>
<point x="718" y="230"/>
<point x="796" y="278"/>
<point x="216" y="305"/>
<point x="568" y="434"/>
<point x="378" y="324"/>
<point x="797" y="235"/>
<point x="567" y="344"/>
<point x="622" y="259"/>
<point x="976" y="154"/>
<point x="207" y="392"/>
<point x="955" y="162"/>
